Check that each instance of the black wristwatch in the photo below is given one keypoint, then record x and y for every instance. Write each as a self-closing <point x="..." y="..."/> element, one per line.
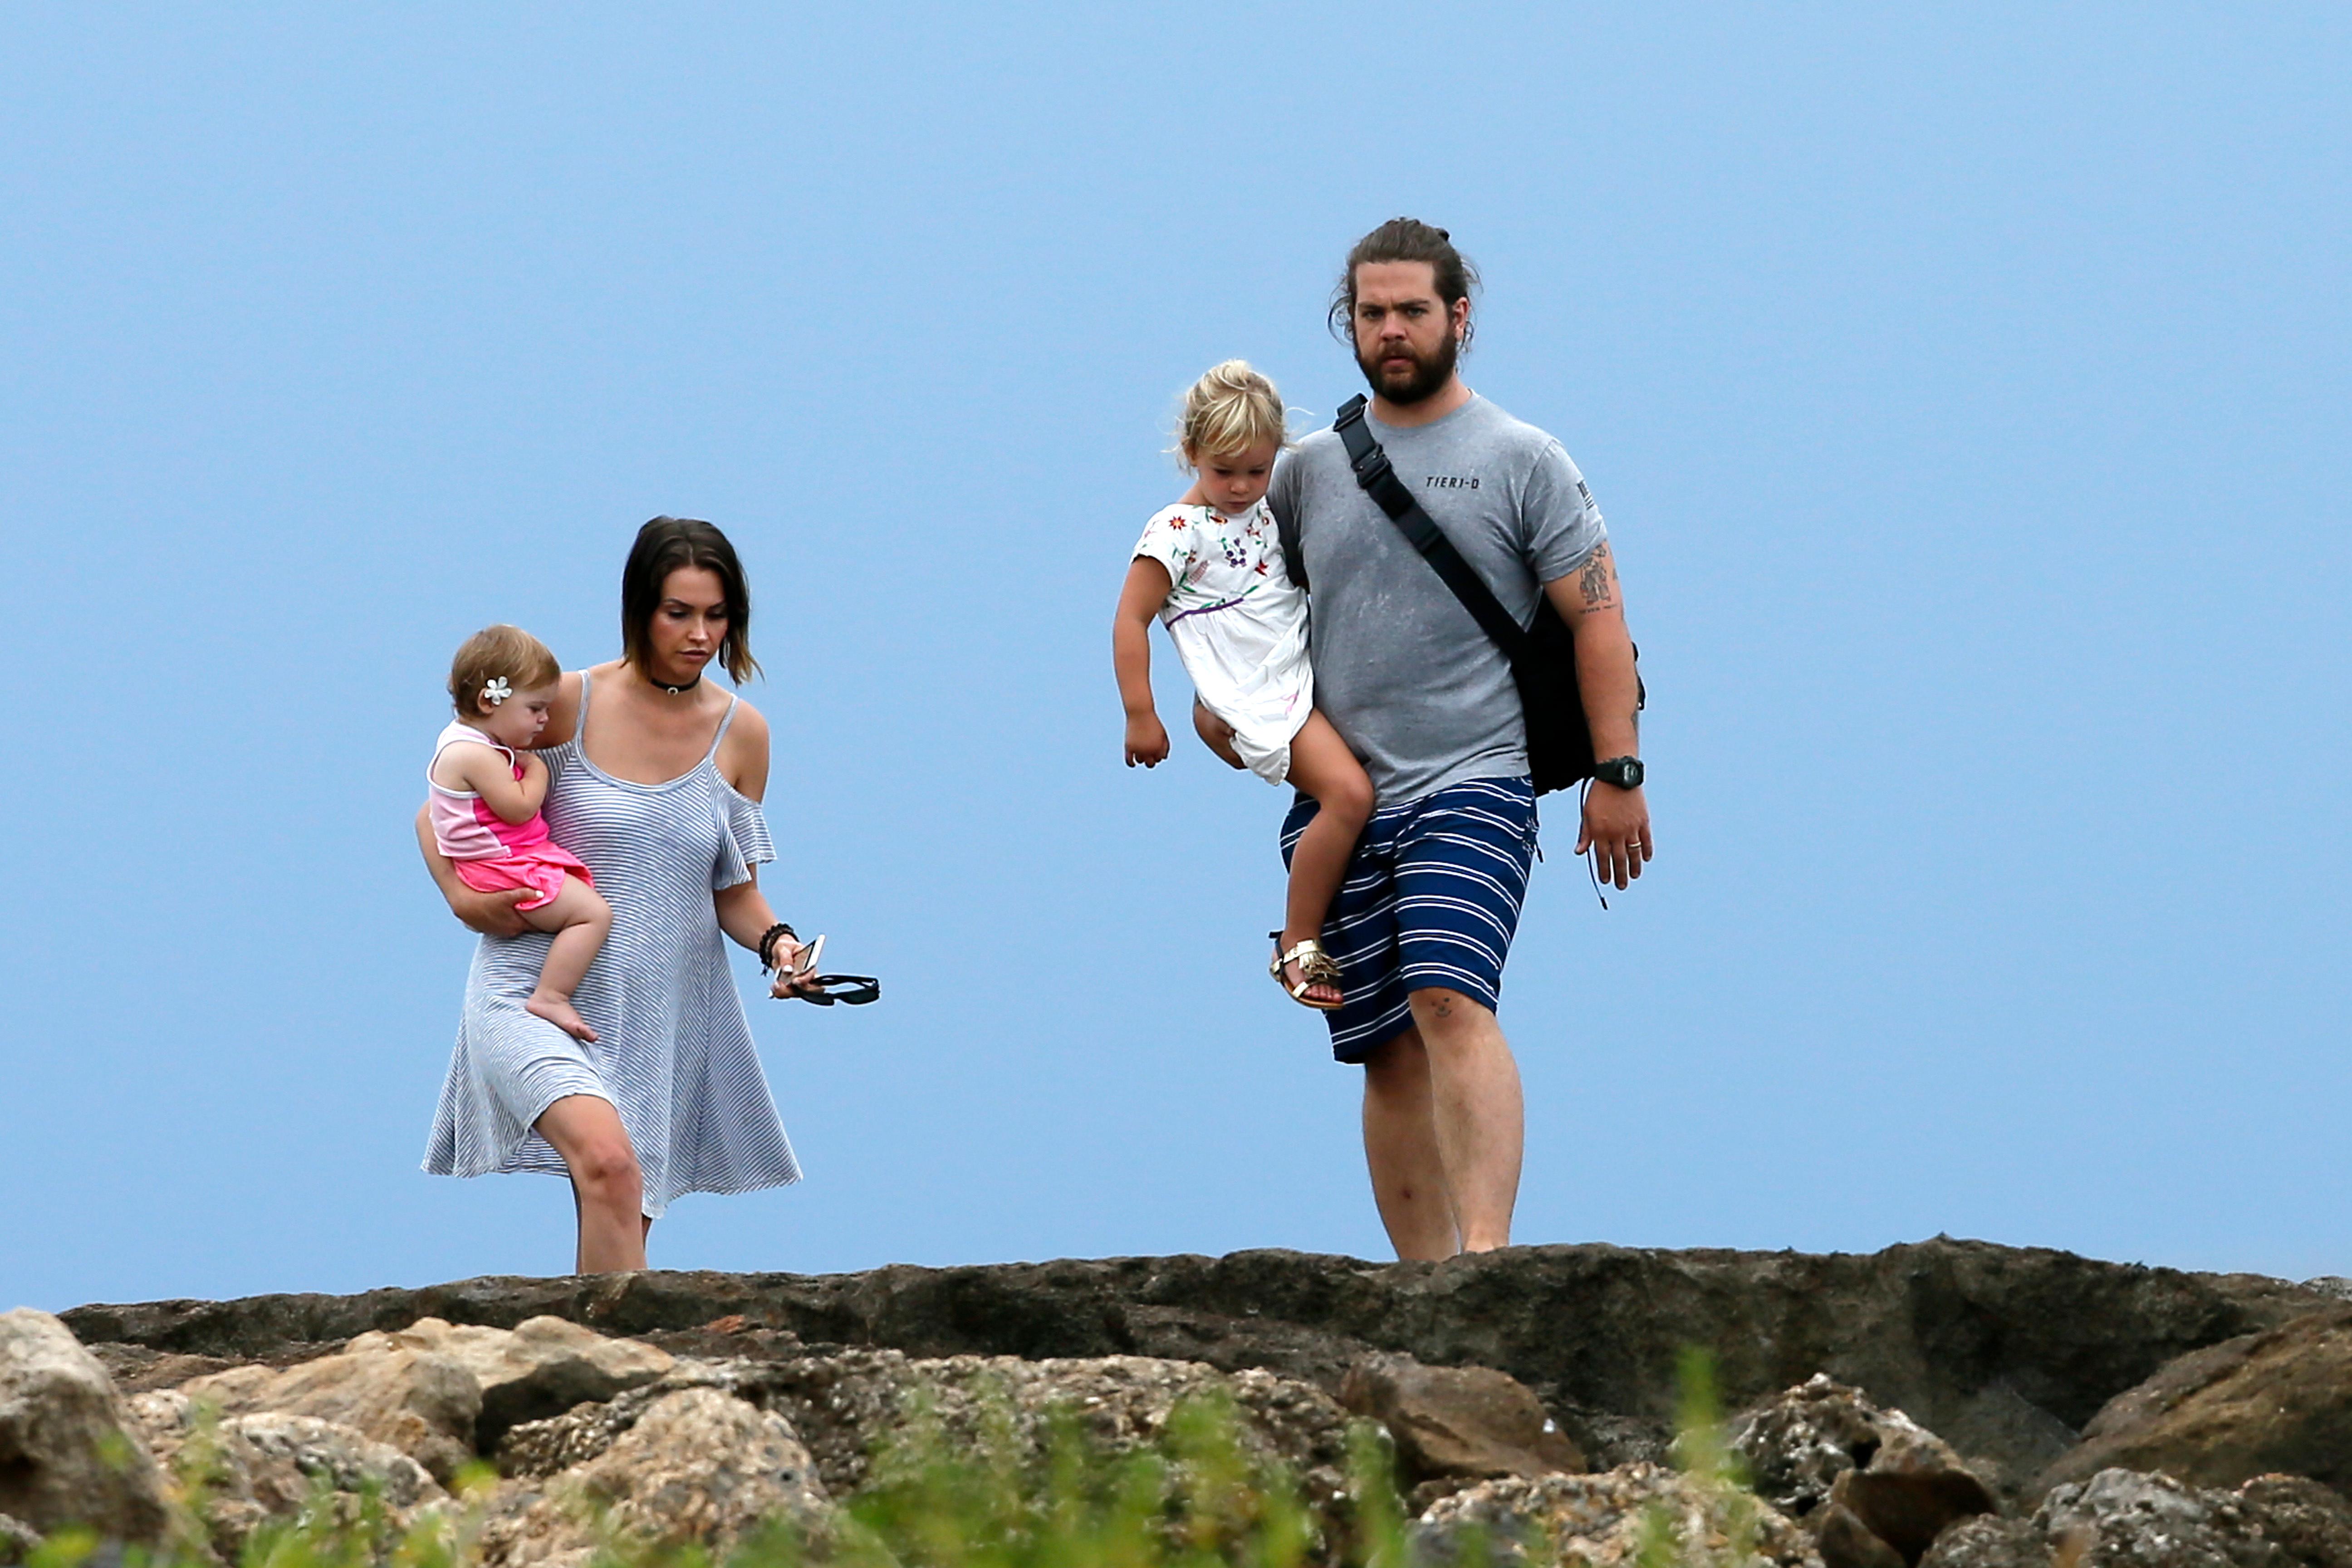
<point x="1625" y="772"/>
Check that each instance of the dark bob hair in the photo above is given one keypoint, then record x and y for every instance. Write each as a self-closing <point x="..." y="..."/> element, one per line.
<point x="663" y="546"/>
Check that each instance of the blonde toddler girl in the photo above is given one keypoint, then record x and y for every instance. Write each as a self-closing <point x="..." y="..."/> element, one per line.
<point x="1211" y="568"/>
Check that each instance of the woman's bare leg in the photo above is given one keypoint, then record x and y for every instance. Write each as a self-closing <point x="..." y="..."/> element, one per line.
<point x="606" y="1188"/>
<point x="580" y="918"/>
<point x="1321" y="764"/>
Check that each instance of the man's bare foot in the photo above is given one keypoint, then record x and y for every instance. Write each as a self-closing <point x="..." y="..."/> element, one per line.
<point x="559" y="1011"/>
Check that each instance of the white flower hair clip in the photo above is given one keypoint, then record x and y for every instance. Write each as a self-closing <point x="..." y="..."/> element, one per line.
<point x="497" y="692"/>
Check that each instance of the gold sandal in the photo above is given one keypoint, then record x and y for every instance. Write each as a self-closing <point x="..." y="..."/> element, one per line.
<point x="1316" y="967"/>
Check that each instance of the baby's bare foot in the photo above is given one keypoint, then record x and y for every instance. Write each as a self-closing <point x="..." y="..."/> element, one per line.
<point x="559" y="1011"/>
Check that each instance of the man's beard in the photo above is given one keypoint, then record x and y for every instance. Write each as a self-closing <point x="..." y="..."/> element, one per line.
<point x="1425" y="379"/>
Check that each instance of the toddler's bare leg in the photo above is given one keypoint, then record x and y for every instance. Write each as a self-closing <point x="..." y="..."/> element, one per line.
<point x="1321" y="764"/>
<point x="580" y="918"/>
<point x="1215" y="734"/>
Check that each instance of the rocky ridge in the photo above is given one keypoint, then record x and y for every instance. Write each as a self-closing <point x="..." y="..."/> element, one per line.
<point x="1947" y="1403"/>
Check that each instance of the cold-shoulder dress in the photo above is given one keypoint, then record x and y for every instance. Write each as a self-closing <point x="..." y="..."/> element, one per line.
<point x="674" y="1053"/>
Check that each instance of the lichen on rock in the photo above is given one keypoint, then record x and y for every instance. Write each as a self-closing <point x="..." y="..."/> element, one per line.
<point x="1639" y="1513"/>
<point x="845" y="1402"/>
<point x="698" y="1465"/>
<point x="1875" y="1487"/>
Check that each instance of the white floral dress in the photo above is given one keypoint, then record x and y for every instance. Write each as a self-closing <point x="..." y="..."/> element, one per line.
<point x="1239" y="624"/>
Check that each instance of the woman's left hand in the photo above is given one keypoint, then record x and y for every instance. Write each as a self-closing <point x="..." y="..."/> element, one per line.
<point x="790" y="980"/>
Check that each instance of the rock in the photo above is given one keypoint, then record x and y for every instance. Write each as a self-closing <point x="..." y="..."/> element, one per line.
<point x="135" y="1369"/>
<point x="847" y="1405"/>
<point x="423" y="1403"/>
<point x="2010" y="1440"/>
<point x="844" y="1403"/>
<point x="250" y="1469"/>
<point x="2122" y="1519"/>
<point x="730" y="1338"/>
<point x="1122" y="1403"/>
<point x="17" y="1538"/>
<point x="278" y="1455"/>
<point x="2279" y="1401"/>
<point x="2313" y="1523"/>
<point x="541" y="1367"/>
<point x="2003" y="1351"/>
<point x="344" y="1458"/>
<point x="1874" y="1485"/>
<point x="1845" y="1541"/>
<point x="534" y="1450"/>
<point x="1989" y="1542"/>
<point x="2155" y="1521"/>
<point x="67" y="1453"/>
<point x="1592" y="1519"/>
<point x="1468" y="1421"/>
<point x="1908" y="1510"/>
<point x="698" y="1466"/>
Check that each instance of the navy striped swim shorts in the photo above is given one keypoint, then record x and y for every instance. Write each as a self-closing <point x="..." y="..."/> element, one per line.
<point x="1432" y="898"/>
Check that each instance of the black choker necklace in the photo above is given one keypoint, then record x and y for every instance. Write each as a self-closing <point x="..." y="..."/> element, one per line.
<point x="680" y="691"/>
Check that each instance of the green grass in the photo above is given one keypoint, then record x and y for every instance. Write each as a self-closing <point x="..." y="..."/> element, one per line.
<point x="1197" y="1499"/>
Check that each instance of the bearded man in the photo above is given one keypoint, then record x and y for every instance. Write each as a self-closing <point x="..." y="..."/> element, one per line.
<point x="1424" y="920"/>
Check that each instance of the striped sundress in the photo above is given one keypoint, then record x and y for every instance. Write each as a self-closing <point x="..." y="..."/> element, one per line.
<point x="674" y="1053"/>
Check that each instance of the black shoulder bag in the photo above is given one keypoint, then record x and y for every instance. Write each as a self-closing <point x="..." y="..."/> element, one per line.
<point x="1543" y="656"/>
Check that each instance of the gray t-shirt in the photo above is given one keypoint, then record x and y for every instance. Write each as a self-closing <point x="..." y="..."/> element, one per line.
<point x="1418" y="692"/>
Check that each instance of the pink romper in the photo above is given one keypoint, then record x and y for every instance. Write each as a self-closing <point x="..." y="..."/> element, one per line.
<point x="491" y="854"/>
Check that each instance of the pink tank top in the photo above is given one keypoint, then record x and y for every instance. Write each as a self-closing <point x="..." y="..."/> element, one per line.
<point x="464" y="825"/>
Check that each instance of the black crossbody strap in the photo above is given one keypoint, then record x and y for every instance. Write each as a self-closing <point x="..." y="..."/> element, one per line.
<point x="1379" y="481"/>
<point x="1294" y="559"/>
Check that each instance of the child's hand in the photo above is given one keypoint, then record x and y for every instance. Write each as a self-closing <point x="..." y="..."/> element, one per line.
<point x="533" y="770"/>
<point x="1146" y="740"/>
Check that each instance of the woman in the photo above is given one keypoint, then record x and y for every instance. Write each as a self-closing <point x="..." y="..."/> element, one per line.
<point x="656" y="780"/>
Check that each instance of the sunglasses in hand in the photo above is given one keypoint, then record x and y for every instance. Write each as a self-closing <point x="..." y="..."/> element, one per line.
<point x="824" y="990"/>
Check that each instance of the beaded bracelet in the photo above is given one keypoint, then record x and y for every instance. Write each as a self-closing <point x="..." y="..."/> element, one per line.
<point x="768" y="942"/>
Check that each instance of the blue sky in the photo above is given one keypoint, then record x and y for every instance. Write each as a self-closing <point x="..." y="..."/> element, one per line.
<point x="1966" y="393"/>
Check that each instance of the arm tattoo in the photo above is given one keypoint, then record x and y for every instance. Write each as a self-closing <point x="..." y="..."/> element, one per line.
<point x="1598" y="580"/>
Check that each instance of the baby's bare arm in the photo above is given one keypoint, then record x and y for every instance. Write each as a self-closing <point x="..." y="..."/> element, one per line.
<point x="533" y="782"/>
<point x="484" y="770"/>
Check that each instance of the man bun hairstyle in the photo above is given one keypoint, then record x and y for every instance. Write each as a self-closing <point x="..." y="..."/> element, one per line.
<point x="665" y="545"/>
<point x="1404" y="239"/>
<point x="499" y="652"/>
<point x="1228" y="411"/>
